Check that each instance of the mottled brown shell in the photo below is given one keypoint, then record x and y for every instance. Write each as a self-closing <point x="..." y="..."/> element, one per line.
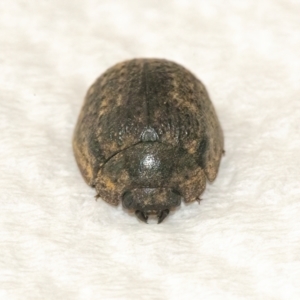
<point x="147" y="101"/>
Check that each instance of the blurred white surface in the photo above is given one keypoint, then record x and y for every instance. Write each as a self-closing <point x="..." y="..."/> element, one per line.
<point x="242" y="242"/>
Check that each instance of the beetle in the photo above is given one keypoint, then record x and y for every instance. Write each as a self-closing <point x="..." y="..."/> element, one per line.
<point x="148" y="135"/>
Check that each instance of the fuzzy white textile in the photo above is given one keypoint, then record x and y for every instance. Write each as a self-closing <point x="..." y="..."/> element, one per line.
<point x="241" y="242"/>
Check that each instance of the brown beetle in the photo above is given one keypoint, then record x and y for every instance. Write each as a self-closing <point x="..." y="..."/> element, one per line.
<point x="148" y="136"/>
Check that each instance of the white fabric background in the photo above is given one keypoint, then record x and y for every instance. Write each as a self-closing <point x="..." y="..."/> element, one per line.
<point x="241" y="242"/>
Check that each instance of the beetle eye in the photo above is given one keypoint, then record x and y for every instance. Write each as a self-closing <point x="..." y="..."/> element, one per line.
<point x="175" y="198"/>
<point x="127" y="199"/>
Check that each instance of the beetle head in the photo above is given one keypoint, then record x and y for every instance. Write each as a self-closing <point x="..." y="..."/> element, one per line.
<point x="146" y="201"/>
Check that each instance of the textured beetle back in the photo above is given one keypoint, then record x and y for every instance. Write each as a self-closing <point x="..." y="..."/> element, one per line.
<point x="145" y="100"/>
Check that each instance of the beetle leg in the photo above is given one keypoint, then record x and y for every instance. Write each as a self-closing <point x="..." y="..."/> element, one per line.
<point x="162" y="215"/>
<point x="141" y="215"/>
